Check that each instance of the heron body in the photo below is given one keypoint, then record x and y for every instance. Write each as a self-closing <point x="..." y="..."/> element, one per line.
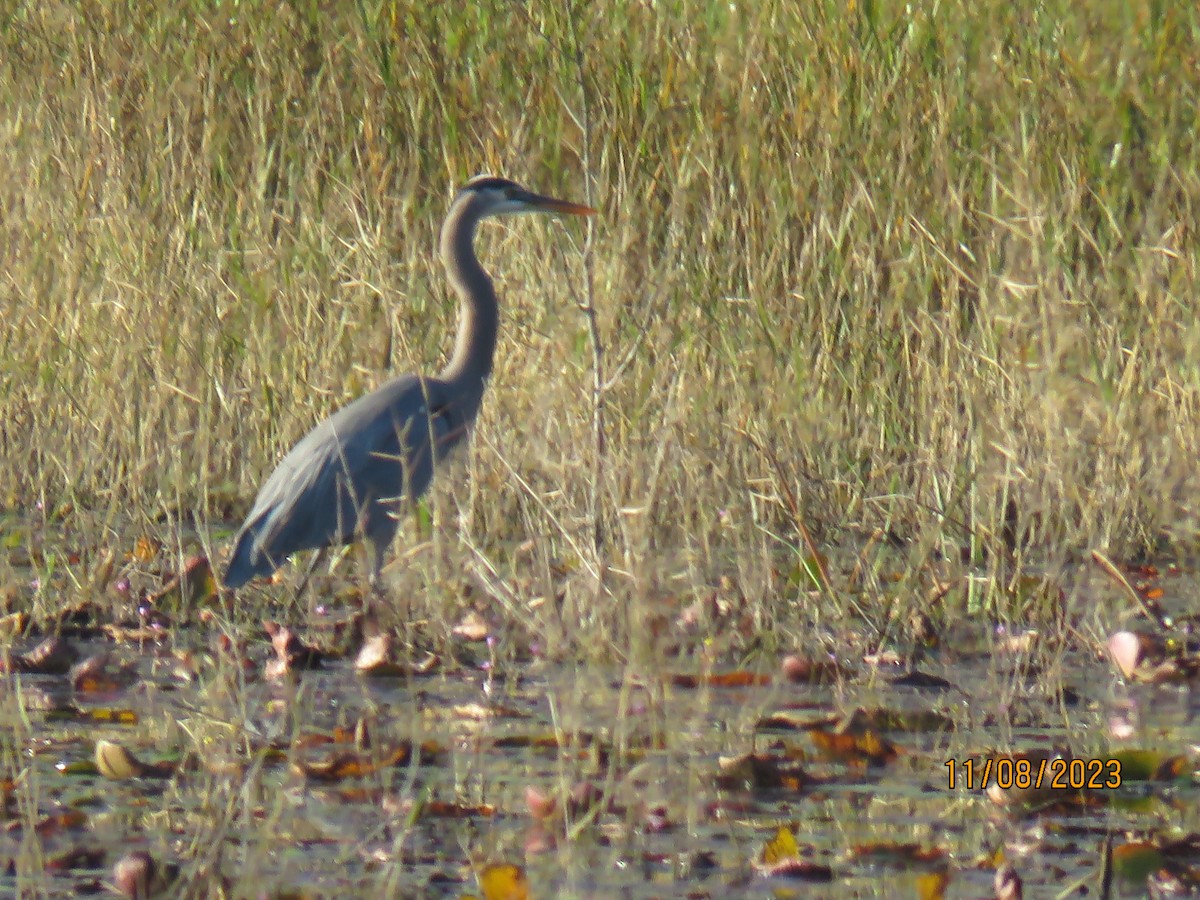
<point x="350" y="476"/>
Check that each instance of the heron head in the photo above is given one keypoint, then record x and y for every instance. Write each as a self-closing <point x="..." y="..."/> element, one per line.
<point x="500" y="197"/>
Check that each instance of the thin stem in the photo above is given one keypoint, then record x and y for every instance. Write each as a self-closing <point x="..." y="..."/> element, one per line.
<point x="587" y="306"/>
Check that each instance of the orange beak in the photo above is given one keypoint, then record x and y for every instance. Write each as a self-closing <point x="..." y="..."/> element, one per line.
<point x="550" y="204"/>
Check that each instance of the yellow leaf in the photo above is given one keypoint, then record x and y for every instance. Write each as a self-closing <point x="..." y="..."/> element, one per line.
<point x="146" y="548"/>
<point x="932" y="885"/>
<point x="504" y="881"/>
<point x="782" y="846"/>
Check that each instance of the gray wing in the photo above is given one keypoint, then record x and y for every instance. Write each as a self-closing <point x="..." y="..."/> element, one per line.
<point x="347" y="477"/>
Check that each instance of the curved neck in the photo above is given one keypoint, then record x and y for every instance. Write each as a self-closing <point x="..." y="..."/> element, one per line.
<point x="478" y="315"/>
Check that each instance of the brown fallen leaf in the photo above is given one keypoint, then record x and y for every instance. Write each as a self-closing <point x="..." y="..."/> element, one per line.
<point x="799" y="870"/>
<point x="756" y="771"/>
<point x="53" y="656"/>
<point x="795" y="720"/>
<point x="98" y="674"/>
<point x="375" y="660"/>
<point x="77" y="619"/>
<point x="350" y="764"/>
<point x="1027" y="778"/>
<point x="803" y="670"/>
<point x="478" y="712"/>
<point x="76" y="858"/>
<point x="894" y="852"/>
<point x="291" y="653"/>
<point x="860" y="746"/>
<point x="236" y="654"/>
<point x="66" y="820"/>
<point x="738" y="679"/>
<point x="134" y="634"/>
<point x="922" y="680"/>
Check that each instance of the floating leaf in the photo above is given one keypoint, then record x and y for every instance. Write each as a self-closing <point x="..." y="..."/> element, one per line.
<point x="757" y="771"/>
<point x="136" y="634"/>
<point x="738" y="679"/>
<point x="291" y="653"/>
<point x="439" y="809"/>
<point x="473" y="627"/>
<point x="782" y="846"/>
<point x="1007" y="883"/>
<point x="119" y="764"/>
<point x="800" y="870"/>
<point x="780" y="858"/>
<point x="478" y="712"/>
<point x="1150" y="659"/>
<point x="932" y="885"/>
<point x="75" y="858"/>
<point x="56" y="823"/>
<point x="137" y="875"/>
<point x="375" y="658"/>
<point x="865" y="746"/>
<point x="53" y="656"/>
<point x="504" y="881"/>
<point x="1151" y="765"/>
<point x="1137" y="860"/>
<point x="112" y="716"/>
<point x="1125" y="648"/>
<point x="802" y="670"/>
<point x="97" y="674"/>
<point x="879" y="852"/>
<point x="341" y="766"/>
<point x="923" y="680"/>
<point x="795" y="720"/>
<point x="115" y="762"/>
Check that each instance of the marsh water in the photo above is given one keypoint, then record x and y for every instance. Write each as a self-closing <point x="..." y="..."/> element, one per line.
<point x="599" y="781"/>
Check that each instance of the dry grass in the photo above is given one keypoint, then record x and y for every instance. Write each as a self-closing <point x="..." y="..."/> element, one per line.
<point x="930" y="266"/>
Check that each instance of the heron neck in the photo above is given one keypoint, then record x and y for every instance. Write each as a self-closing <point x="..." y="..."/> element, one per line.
<point x="478" y="314"/>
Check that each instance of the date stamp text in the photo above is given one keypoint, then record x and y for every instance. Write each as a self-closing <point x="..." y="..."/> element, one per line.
<point x="1058" y="774"/>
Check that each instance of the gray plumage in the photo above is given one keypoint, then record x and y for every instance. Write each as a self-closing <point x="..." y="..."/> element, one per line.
<point x="351" y="476"/>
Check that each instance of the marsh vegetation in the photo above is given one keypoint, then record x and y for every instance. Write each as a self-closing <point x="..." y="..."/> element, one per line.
<point x="887" y="323"/>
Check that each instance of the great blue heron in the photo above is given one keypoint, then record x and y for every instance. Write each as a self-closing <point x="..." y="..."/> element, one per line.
<point x="348" y="477"/>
